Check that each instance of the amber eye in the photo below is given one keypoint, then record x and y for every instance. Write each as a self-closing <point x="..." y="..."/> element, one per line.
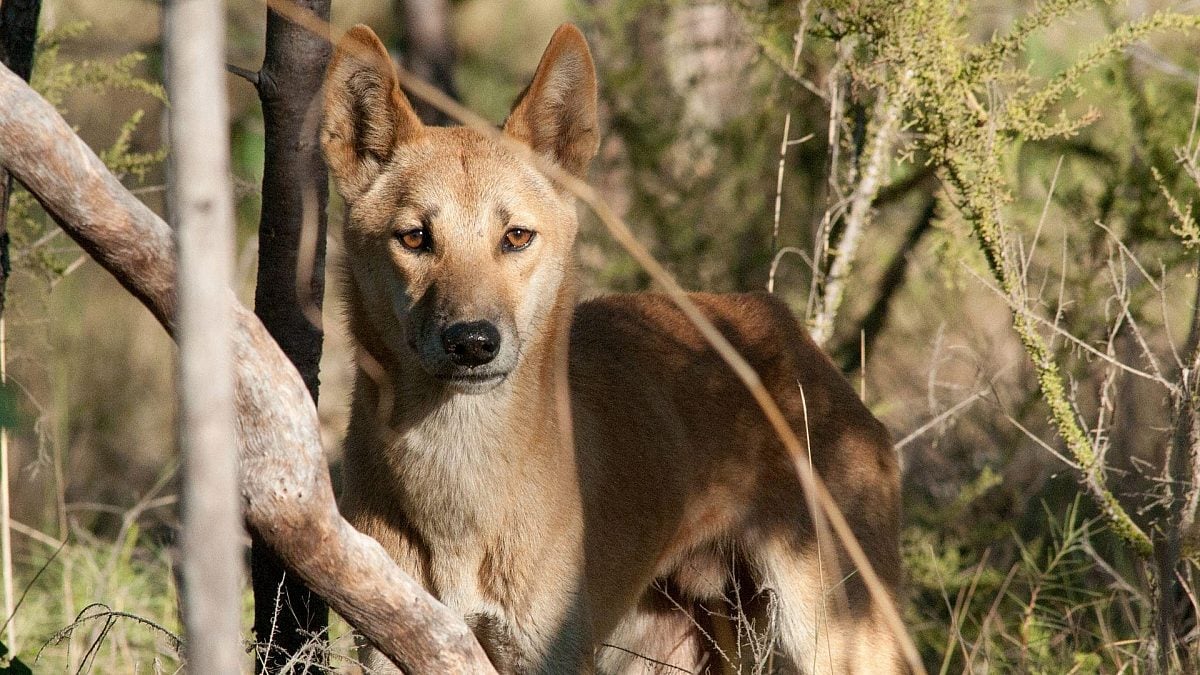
<point x="517" y="239"/>
<point x="414" y="240"/>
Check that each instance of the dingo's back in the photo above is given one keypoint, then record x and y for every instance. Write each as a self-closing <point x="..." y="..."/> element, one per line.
<point x="586" y="485"/>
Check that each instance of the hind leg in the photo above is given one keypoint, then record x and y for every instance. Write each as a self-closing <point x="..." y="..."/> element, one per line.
<point x="825" y="617"/>
<point x="659" y="636"/>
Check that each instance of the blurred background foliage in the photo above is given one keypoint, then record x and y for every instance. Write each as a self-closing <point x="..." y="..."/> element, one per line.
<point x="1011" y="565"/>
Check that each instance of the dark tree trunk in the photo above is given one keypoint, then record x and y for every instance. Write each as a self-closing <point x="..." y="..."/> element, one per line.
<point x="427" y="51"/>
<point x="849" y="354"/>
<point x="291" y="285"/>
<point x="18" y="35"/>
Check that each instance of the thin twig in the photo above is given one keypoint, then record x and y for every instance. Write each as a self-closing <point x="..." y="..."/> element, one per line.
<point x="250" y="76"/>
<point x="1045" y="446"/>
<point x="656" y="662"/>
<point x="1066" y="334"/>
<point x="34" y="534"/>
<point x="1042" y="219"/>
<point x="949" y="412"/>
<point x="779" y="257"/>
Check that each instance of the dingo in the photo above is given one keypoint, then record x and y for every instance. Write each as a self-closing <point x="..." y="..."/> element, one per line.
<point x="580" y="482"/>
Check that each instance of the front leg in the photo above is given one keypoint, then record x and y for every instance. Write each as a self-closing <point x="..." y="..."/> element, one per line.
<point x="548" y="636"/>
<point x="405" y="549"/>
<point x="511" y="651"/>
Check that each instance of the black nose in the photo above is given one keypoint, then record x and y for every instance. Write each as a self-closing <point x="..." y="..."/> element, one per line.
<point x="471" y="343"/>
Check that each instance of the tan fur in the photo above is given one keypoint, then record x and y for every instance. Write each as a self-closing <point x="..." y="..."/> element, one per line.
<point x="623" y="515"/>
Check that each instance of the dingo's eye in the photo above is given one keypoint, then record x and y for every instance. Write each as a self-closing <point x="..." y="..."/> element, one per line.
<point x="414" y="240"/>
<point x="517" y="239"/>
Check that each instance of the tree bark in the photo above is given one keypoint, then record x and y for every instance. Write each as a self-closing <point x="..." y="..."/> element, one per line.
<point x="290" y="290"/>
<point x="286" y="493"/>
<point x="200" y="200"/>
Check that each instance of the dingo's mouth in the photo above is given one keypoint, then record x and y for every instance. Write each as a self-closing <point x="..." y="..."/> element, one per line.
<point x="472" y="383"/>
<point x="472" y="377"/>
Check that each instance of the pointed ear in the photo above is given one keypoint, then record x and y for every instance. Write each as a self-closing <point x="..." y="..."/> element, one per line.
<point x="366" y="114"/>
<point x="556" y="114"/>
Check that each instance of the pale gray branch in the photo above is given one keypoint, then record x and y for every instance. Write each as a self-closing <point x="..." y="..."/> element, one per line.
<point x="887" y="126"/>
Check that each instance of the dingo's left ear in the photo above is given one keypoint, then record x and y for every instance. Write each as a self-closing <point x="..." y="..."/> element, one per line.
<point x="556" y="114"/>
<point x="366" y="114"/>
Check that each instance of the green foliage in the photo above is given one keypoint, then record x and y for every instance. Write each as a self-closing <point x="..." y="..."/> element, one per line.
<point x="137" y="624"/>
<point x="1047" y="610"/>
<point x="694" y="137"/>
<point x="1184" y="226"/>
<point x="54" y="77"/>
<point x="119" y="158"/>
<point x="972" y="144"/>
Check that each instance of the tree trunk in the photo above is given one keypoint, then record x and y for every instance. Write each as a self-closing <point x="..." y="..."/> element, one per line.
<point x="285" y="488"/>
<point x="200" y="200"/>
<point x="290" y="291"/>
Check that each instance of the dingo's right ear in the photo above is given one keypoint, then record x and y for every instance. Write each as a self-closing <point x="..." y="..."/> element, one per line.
<point x="366" y="114"/>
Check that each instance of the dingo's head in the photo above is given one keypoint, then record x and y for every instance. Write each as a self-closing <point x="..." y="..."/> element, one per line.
<point x="456" y="248"/>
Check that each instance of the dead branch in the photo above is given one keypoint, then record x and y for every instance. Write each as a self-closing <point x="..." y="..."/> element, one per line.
<point x="286" y="492"/>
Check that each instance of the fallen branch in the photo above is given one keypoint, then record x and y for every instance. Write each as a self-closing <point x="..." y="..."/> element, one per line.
<point x="286" y="492"/>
